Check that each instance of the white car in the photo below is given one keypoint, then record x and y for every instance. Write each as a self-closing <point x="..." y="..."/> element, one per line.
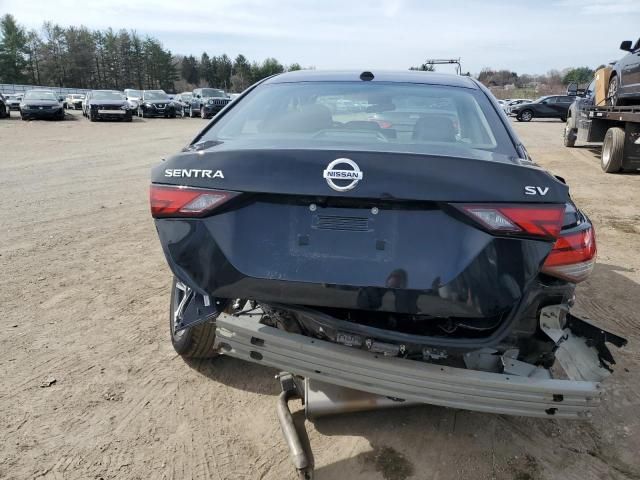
<point x="74" y="101"/>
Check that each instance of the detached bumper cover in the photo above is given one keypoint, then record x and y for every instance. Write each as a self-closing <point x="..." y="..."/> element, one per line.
<point x="410" y="380"/>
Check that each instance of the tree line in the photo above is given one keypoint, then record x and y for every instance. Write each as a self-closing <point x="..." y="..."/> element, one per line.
<point x="501" y="78"/>
<point x="78" y="57"/>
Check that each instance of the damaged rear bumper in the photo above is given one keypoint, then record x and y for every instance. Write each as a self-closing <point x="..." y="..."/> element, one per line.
<point x="525" y="392"/>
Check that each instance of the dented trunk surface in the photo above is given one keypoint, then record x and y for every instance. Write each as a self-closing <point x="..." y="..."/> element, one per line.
<point x="399" y="247"/>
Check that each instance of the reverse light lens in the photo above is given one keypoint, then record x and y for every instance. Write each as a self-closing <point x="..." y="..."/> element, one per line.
<point x="174" y="201"/>
<point x="573" y="256"/>
<point x="543" y="221"/>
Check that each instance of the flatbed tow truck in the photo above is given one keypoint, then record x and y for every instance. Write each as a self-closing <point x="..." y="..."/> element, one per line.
<point x="617" y="128"/>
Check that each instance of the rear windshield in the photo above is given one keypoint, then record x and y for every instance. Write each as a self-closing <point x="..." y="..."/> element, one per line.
<point x="398" y="117"/>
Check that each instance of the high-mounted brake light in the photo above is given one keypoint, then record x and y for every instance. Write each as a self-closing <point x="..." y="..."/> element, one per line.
<point x="514" y="219"/>
<point x="174" y="201"/>
<point x="573" y="256"/>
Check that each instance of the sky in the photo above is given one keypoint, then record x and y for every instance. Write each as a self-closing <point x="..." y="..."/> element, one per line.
<point x="520" y="35"/>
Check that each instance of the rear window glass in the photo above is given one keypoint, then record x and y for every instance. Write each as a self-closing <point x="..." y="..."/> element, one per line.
<point x="415" y="118"/>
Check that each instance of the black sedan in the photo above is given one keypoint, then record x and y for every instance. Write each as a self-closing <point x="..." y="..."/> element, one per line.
<point x="41" y="104"/>
<point x="624" y="84"/>
<point x="107" y="105"/>
<point x="551" y="106"/>
<point x="393" y="254"/>
<point x="156" y="103"/>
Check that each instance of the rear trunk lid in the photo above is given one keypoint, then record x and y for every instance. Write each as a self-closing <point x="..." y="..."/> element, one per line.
<point x="392" y="242"/>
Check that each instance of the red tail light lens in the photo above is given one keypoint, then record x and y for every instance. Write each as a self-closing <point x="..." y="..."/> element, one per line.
<point x="543" y="221"/>
<point x="573" y="256"/>
<point x="174" y="201"/>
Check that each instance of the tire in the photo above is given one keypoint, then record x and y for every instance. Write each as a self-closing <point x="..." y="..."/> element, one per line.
<point x="613" y="150"/>
<point x="195" y="342"/>
<point x="92" y="117"/>
<point x="612" y="92"/>
<point x="563" y="119"/>
<point x="525" y="116"/>
<point x="129" y="118"/>
<point x="3" y="111"/>
<point x="570" y="136"/>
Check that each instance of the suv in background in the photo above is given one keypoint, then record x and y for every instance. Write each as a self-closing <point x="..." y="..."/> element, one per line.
<point x="206" y="102"/>
<point x="551" y="106"/>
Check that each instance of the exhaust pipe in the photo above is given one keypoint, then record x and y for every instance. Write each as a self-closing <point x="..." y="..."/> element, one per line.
<point x="321" y="399"/>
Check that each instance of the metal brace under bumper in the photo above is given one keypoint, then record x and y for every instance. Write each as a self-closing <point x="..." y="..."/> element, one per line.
<point x="413" y="381"/>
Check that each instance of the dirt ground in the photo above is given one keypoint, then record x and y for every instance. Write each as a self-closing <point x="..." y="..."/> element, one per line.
<point x="90" y="387"/>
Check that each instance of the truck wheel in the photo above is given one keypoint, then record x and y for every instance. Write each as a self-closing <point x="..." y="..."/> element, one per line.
<point x="570" y="136"/>
<point x="613" y="150"/>
<point x="525" y="116"/>
<point x="195" y="342"/>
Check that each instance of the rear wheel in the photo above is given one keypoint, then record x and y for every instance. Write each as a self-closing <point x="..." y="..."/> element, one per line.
<point x="613" y="150"/>
<point x="525" y="116"/>
<point x="195" y="342"/>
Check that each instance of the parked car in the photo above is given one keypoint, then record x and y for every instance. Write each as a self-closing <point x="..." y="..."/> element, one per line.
<point x="5" y="111"/>
<point x="624" y="84"/>
<point x="39" y="104"/>
<point x="207" y="102"/>
<point x="74" y="101"/>
<point x="393" y="266"/>
<point x="13" y="100"/>
<point x="107" y="105"/>
<point x="156" y="103"/>
<point x="184" y="99"/>
<point x="133" y="97"/>
<point x="550" y="106"/>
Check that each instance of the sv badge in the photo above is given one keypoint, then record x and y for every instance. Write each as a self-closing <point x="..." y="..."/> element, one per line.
<point x="529" y="190"/>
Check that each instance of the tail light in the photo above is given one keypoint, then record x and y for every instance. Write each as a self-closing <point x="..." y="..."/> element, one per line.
<point x="174" y="201"/>
<point x="573" y="256"/>
<point x="543" y="221"/>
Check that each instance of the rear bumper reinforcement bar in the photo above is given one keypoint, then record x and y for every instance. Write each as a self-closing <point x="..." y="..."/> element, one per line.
<point x="410" y="380"/>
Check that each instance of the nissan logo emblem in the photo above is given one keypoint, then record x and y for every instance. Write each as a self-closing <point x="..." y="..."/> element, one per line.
<point x="343" y="179"/>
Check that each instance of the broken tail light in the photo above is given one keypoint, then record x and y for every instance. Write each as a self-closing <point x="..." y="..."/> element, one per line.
<point x="176" y="201"/>
<point x="573" y="256"/>
<point x="543" y="221"/>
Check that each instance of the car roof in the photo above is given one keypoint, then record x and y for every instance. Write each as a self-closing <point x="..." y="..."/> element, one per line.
<point x="401" y="76"/>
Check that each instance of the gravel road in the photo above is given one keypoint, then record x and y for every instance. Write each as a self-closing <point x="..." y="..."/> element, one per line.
<point x="90" y="387"/>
